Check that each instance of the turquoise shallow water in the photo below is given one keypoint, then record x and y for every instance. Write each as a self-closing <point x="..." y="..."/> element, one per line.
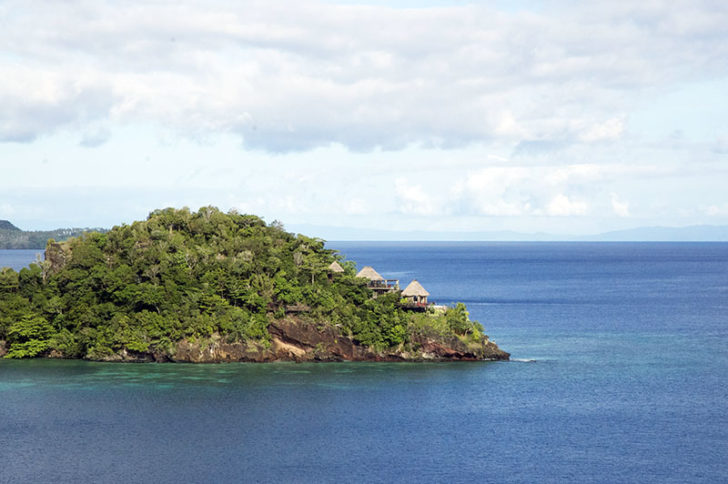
<point x="623" y="378"/>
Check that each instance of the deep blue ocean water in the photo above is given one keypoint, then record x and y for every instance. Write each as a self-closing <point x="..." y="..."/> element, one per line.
<point x="620" y="375"/>
<point x="19" y="258"/>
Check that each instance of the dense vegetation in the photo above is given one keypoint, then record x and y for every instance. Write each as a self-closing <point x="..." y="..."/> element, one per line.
<point x="183" y="274"/>
<point x="12" y="237"/>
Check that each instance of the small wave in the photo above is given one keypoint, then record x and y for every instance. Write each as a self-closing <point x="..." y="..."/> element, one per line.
<point x="523" y="360"/>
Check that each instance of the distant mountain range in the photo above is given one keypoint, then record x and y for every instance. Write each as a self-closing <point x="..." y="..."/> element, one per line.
<point x="11" y="237"/>
<point x="696" y="233"/>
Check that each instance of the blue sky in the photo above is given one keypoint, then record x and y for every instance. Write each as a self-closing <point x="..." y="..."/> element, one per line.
<point x="443" y="116"/>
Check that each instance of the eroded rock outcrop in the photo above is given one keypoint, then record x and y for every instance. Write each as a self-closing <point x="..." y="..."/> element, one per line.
<point x="57" y="255"/>
<point x="293" y="339"/>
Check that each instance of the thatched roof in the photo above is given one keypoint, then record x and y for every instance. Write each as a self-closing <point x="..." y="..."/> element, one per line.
<point x="414" y="289"/>
<point x="370" y="274"/>
<point x="336" y="267"/>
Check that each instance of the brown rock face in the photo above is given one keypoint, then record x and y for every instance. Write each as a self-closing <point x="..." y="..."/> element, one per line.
<point x="215" y="350"/>
<point x="455" y="349"/>
<point x="318" y="343"/>
<point x="295" y="340"/>
<point x="56" y="255"/>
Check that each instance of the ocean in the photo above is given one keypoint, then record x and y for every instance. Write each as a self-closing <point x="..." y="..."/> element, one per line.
<point x="19" y="258"/>
<point x="619" y="374"/>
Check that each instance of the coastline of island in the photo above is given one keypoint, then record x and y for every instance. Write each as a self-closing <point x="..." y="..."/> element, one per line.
<point x="210" y="286"/>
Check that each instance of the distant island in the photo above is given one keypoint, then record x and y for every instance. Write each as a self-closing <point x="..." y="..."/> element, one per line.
<point x="210" y="286"/>
<point x="11" y="237"/>
<point x="693" y="233"/>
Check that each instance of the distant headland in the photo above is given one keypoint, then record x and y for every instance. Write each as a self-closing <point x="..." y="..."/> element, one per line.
<point x="210" y="286"/>
<point x="11" y="237"/>
<point x="694" y="233"/>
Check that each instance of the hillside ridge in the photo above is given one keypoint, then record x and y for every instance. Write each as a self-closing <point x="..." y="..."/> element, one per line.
<point x="6" y="225"/>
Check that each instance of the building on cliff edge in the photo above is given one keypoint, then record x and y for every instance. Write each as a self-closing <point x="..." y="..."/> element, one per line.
<point x="376" y="282"/>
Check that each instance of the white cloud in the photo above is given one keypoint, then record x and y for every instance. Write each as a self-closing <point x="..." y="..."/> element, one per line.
<point x="610" y="129"/>
<point x="95" y="136"/>
<point x="459" y="114"/>
<point x="721" y="144"/>
<point x="620" y="208"/>
<point x="550" y="190"/>
<point x="562" y="206"/>
<point x="412" y="199"/>
<point x="569" y="173"/>
<point x="493" y="191"/>
<point x="287" y="75"/>
<point x="716" y="210"/>
<point x="502" y="208"/>
<point x="356" y="206"/>
<point x="6" y="210"/>
<point x="38" y="101"/>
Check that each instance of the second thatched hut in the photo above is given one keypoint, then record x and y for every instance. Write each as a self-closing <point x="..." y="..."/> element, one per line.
<point x="376" y="282"/>
<point x="415" y="294"/>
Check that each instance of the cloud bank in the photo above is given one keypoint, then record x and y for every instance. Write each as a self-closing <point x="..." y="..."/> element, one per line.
<point x="291" y="75"/>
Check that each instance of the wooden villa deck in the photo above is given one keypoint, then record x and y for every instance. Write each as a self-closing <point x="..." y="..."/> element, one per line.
<point x="417" y="307"/>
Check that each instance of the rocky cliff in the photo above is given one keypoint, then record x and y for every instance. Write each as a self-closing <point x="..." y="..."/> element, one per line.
<point x="295" y="340"/>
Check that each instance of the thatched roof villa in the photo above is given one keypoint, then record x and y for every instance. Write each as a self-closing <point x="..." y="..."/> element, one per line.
<point x="335" y="267"/>
<point x="369" y="273"/>
<point x="377" y="283"/>
<point x="415" y="294"/>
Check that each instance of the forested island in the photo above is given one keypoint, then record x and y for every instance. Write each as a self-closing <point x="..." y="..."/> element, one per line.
<point x="210" y="286"/>
<point x="11" y="237"/>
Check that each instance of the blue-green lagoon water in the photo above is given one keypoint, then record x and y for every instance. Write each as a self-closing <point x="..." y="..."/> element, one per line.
<point x="620" y="375"/>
